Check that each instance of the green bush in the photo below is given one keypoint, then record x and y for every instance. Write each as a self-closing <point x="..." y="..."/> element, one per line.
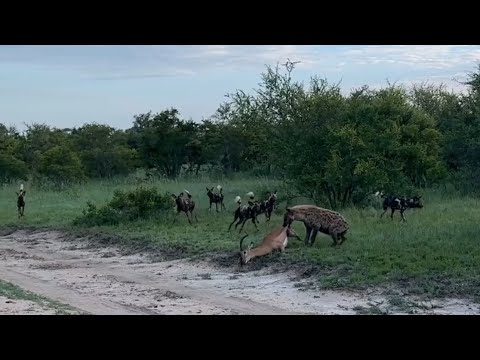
<point x="140" y="203"/>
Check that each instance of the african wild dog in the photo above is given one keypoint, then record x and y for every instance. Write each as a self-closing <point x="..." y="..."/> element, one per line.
<point x="216" y="198"/>
<point x="21" y="201"/>
<point x="318" y="219"/>
<point x="400" y="203"/>
<point x="267" y="206"/>
<point x="245" y="212"/>
<point x="186" y="205"/>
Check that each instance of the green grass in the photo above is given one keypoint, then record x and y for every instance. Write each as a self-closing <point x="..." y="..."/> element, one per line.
<point x="14" y="292"/>
<point x="436" y="252"/>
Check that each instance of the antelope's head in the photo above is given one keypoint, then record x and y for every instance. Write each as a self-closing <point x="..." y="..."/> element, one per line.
<point x="245" y="253"/>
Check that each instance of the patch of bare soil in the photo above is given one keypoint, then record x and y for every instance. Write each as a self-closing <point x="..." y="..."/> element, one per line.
<point x="103" y="280"/>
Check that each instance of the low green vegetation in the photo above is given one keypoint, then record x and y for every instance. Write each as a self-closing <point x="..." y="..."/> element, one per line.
<point x="435" y="252"/>
<point x="311" y="143"/>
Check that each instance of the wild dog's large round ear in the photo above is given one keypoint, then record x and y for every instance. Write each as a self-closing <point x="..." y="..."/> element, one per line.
<point x="207" y="188"/>
<point x="174" y="196"/>
<point x="211" y="189"/>
<point x="288" y="210"/>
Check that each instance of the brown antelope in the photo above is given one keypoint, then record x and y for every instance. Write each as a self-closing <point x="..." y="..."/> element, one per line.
<point x="277" y="239"/>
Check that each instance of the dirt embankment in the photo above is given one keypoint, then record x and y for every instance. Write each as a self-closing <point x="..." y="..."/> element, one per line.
<point x="103" y="280"/>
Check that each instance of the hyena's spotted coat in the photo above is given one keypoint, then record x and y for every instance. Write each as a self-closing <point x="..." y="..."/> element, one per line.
<point x="317" y="219"/>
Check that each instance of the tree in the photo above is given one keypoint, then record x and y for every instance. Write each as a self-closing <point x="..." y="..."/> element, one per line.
<point x="11" y="167"/>
<point x="162" y="140"/>
<point x="61" y="166"/>
<point x="104" y="151"/>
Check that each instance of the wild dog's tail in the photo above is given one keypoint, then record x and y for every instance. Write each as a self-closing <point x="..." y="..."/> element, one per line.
<point x="219" y="188"/>
<point x="238" y="200"/>
<point x="187" y="192"/>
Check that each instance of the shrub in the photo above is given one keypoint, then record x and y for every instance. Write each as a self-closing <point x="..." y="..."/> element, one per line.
<point x="140" y="203"/>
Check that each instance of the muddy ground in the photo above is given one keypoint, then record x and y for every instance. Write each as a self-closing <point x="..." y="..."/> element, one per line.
<point x="97" y="279"/>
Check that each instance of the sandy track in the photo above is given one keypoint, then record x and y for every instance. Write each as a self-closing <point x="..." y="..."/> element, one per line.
<point x="102" y="281"/>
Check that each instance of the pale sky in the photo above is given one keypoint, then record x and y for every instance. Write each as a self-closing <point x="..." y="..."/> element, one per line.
<point x="66" y="86"/>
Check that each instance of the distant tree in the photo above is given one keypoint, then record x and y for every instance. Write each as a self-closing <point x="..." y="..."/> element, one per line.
<point x="163" y="140"/>
<point x="103" y="150"/>
<point x="61" y="166"/>
<point x="11" y="167"/>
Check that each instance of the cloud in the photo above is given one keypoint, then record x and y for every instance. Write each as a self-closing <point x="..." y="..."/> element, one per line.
<point x="234" y="57"/>
<point x="420" y="56"/>
<point x="104" y="62"/>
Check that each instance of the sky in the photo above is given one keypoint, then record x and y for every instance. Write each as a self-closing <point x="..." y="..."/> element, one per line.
<point x="67" y="86"/>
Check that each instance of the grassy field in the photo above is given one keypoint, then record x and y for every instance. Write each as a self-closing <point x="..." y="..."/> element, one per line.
<point x="436" y="252"/>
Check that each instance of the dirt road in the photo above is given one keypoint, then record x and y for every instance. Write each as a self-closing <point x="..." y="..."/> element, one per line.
<point x="100" y="280"/>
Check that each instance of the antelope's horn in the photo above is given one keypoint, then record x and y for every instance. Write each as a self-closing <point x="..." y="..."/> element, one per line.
<point x="241" y="241"/>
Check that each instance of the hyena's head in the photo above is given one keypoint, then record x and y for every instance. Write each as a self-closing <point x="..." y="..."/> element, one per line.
<point x="292" y="233"/>
<point x="288" y="217"/>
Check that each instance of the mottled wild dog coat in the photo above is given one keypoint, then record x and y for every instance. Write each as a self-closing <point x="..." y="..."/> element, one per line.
<point x="267" y="206"/>
<point x="277" y="239"/>
<point x="184" y="204"/>
<point x="21" y="202"/>
<point x="245" y="212"/>
<point x="216" y="198"/>
<point x="400" y="203"/>
<point x="317" y="219"/>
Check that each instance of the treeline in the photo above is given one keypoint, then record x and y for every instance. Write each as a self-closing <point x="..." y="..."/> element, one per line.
<point x="332" y="147"/>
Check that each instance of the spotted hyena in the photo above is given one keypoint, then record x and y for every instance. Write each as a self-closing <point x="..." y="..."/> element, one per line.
<point x="317" y="219"/>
